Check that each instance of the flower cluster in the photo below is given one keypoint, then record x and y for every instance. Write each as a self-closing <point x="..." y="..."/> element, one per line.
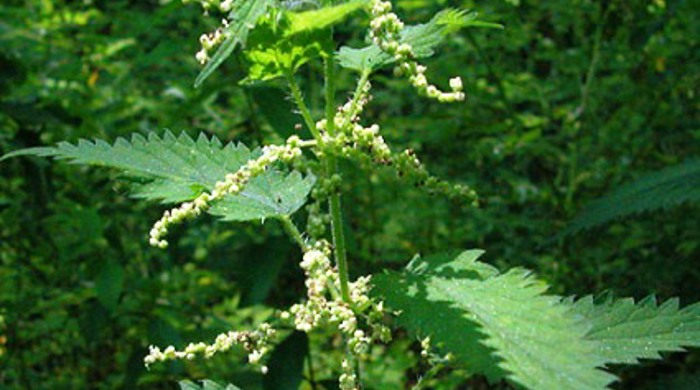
<point x="425" y="347"/>
<point x="353" y="139"/>
<point x="207" y="5"/>
<point x="317" y="219"/>
<point x="348" y="379"/>
<point x="366" y="144"/>
<point x="210" y="41"/>
<point x="385" y="31"/>
<point x="407" y="164"/>
<point x="233" y="184"/>
<point x="257" y="343"/>
<point x="324" y="306"/>
<point x="350" y="112"/>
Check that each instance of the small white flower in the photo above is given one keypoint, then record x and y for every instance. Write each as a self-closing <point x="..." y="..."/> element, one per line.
<point x="456" y="84"/>
<point x="202" y="56"/>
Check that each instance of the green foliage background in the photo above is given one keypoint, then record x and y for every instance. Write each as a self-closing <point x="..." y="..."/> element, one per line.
<point x="571" y="100"/>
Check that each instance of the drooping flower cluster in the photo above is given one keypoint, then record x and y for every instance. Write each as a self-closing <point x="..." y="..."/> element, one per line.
<point x="385" y="31"/>
<point x="233" y="183"/>
<point x="362" y="143"/>
<point x="325" y="307"/>
<point x="409" y="166"/>
<point x="257" y="343"/>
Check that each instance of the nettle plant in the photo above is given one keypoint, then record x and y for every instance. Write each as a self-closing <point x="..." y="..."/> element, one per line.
<point x="465" y="313"/>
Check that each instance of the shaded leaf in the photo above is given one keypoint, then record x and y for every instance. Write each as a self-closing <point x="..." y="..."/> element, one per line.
<point x="287" y="363"/>
<point x="658" y="190"/>
<point x="500" y="325"/>
<point x="109" y="285"/>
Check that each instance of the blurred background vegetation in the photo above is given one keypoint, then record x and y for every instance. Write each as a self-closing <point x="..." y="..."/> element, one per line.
<point x="571" y="100"/>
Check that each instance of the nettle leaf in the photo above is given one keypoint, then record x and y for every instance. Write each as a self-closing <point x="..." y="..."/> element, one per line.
<point x="109" y="285"/>
<point x="271" y="55"/>
<point x="206" y="385"/>
<point x="269" y="195"/>
<point x="321" y="18"/>
<point x="287" y="363"/>
<point x="423" y="38"/>
<point x="285" y="42"/>
<point x="666" y="188"/>
<point x="625" y="332"/>
<point x="243" y="18"/>
<point x="176" y="169"/>
<point x="499" y="325"/>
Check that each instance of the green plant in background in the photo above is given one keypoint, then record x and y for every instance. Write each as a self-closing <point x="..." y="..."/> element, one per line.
<point x="664" y="189"/>
<point x="468" y="315"/>
<point x="3" y="338"/>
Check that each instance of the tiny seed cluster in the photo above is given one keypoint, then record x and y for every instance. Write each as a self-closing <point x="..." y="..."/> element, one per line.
<point x="256" y="343"/>
<point x="233" y="184"/>
<point x="385" y="31"/>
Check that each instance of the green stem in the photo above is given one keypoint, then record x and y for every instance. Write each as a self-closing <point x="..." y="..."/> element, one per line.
<point x="330" y="94"/>
<point x="339" y="247"/>
<point x="293" y="232"/>
<point x="303" y="108"/>
<point x="331" y="165"/>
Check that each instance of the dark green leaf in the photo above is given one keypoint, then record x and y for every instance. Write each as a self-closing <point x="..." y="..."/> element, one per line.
<point x="500" y="325"/>
<point x="287" y="363"/>
<point x="658" y="190"/>
<point x="109" y="285"/>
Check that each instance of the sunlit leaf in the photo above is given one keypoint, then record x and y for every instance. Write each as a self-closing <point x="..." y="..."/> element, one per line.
<point x="176" y="169"/>
<point x="321" y="18"/>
